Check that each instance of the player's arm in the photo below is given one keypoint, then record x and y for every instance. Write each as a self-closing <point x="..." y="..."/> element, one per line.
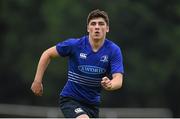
<point x="45" y="59"/>
<point x="113" y="84"/>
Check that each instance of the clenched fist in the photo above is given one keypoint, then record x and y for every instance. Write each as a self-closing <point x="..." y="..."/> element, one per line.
<point x="106" y="83"/>
<point x="37" y="88"/>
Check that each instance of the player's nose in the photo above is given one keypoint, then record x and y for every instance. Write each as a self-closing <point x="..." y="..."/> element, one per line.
<point x="97" y="26"/>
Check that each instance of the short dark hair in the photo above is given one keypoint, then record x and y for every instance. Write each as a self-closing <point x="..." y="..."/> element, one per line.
<point x="96" y="14"/>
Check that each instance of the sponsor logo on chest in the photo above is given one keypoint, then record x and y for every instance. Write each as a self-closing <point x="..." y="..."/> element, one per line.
<point x="91" y="69"/>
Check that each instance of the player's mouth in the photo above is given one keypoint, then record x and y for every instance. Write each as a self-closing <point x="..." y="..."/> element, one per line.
<point x="97" y="33"/>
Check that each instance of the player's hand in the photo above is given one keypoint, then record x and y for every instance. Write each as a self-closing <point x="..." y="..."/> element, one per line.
<point x="106" y="83"/>
<point x="37" y="88"/>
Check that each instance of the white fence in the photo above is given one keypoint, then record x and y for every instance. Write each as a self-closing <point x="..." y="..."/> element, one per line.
<point x="53" y="112"/>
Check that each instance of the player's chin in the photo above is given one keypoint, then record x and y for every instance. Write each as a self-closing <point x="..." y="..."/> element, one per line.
<point x="97" y="37"/>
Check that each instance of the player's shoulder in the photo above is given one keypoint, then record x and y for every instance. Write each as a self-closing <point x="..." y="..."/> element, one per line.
<point x="110" y="44"/>
<point x="76" y="41"/>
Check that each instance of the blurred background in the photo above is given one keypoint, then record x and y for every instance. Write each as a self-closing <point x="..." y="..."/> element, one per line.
<point x="146" y="30"/>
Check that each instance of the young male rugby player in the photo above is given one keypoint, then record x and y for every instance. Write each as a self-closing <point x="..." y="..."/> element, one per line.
<point x="92" y="58"/>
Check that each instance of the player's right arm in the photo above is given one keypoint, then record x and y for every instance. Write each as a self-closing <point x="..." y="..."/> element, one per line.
<point x="45" y="59"/>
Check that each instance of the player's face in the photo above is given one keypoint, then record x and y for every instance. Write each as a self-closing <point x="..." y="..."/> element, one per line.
<point x="97" y="29"/>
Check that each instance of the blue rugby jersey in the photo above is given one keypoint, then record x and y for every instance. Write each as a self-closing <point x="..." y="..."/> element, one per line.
<point x="86" y="67"/>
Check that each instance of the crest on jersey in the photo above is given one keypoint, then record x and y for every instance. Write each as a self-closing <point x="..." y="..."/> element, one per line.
<point x="104" y="58"/>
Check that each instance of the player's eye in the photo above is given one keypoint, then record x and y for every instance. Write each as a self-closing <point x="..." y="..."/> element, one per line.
<point x="101" y="23"/>
<point x="93" y="23"/>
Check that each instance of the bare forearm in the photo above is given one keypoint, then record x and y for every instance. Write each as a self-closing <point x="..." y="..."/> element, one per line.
<point x="42" y="65"/>
<point x="116" y="83"/>
<point x="45" y="59"/>
<point x="113" y="84"/>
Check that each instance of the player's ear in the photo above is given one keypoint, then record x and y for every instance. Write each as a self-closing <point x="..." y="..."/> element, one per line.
<point x="87" y="28"/>
<point x="107" y="29"/>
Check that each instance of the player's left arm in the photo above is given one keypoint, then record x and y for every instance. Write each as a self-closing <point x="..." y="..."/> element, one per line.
<point x="113" y="84"/>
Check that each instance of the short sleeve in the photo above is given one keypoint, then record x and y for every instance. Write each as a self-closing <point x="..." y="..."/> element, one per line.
<point x="65" y="48"/>
<point x="116" y="61"/>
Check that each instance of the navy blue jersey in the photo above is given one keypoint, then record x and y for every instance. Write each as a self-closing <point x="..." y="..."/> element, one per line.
<point x="86" y="67"/>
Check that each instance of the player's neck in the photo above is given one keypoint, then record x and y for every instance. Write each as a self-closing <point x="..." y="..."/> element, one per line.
<point x="96" y="43"/>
